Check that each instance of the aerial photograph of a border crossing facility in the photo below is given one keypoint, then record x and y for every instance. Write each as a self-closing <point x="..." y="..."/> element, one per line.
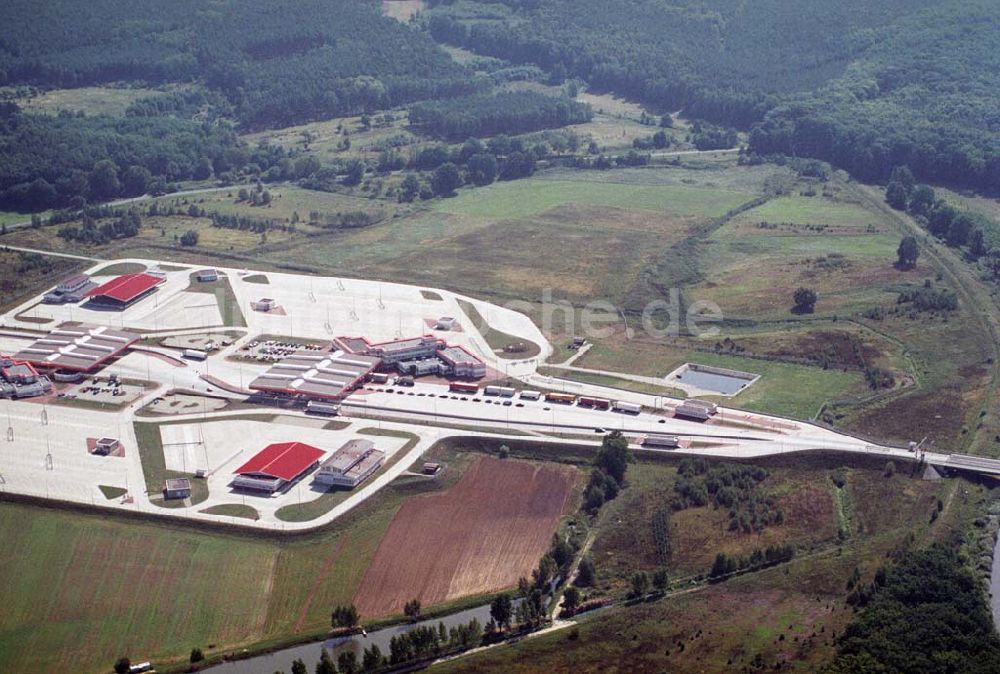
<point x="269" y="413"/>
<point x="283" y="404"/>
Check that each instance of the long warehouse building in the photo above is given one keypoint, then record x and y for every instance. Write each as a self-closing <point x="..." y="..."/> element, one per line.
<point x="306" y="373"/>
<point x="350" y="465"/>
<point x="77" y="347"/>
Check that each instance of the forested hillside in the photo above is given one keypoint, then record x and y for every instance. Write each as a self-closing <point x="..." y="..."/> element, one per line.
<point x="865" y="85"/>
<point x="254" y="62"/>
<point x="279" y="61"/>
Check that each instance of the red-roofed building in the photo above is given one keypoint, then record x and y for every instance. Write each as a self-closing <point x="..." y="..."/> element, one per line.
<point x="124" y="290"/>
<point x="277" y="465"/>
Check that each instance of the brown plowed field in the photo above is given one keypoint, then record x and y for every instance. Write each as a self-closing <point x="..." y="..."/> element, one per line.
<point x="480" y="536"/>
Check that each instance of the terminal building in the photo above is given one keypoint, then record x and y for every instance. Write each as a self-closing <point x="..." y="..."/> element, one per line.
<point x="70" y="291"/>
<point x="19" y="379"/>
<point x="417" y="356"/>
<point x="277" y="466"/>
<point x="460" y="363"/>
<point x="350" y="465"/>
<point x="123" y="291"/>
<point x="399" y="351"/>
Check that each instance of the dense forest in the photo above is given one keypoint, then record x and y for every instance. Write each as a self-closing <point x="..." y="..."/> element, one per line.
<point x="66" y="161"/>
<point x="922" y="613"/>
<point x="865" y="85"/>
<point x="511" y="112"/>
<point x="278" y="62"/>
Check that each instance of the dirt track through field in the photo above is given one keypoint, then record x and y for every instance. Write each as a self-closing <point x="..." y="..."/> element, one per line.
<point x="480" y="536"/>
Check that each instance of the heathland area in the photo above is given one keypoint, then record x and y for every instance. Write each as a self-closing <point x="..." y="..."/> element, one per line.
<point x="551" y="153"/>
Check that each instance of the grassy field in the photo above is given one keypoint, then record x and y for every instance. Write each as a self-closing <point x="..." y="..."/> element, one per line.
<point x="786" y="615"/>
<point x="112" y="493"/>
<point x="613" y="382"/>
<point x="286" y="201"/>
<point x="89" y="100"/>
<point x="8" y="218"/>
<point x="402" y="10"/>
<point x="811" y="503"/>
<point x="159" y="236"/>
<point x="326" y="139"/>
<point x="817" y="210"/>
<point x="234" y="510"/>
<point x="835" y="244"/>
<point x="783" y="388"/>
<point x="119" y="268"/>
<point x="33" y="275"/>
<point x="524" y="198"/>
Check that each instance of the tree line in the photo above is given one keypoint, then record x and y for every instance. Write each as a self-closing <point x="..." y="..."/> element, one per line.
<point x="67" y="162"/>
<point x="509" y="112"/>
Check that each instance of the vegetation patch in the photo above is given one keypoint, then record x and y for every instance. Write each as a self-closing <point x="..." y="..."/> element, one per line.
<point x="525" y="198"/>
<point x="112" y="493"/>
<point x="612" y="381"/>
<point x="504" y="345"/>
<point x="88" y="101"/>
<point x="229" y="307"/>
<point x="154" y="467"/>
<point x="233" y="510"/>
<point x="32" y="273"/>
<point x="120" y="268"/>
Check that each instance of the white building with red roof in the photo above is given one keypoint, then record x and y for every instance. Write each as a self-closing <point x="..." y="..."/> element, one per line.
<point x="276" y="466"/>
<point x="123" y="291"/>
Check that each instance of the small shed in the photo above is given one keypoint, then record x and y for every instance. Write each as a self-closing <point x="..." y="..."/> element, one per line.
<point x="430" y="468"/>
<point x="207" y="275"/>
<point x="105" y="446"/>
<point x="177" y="488"/>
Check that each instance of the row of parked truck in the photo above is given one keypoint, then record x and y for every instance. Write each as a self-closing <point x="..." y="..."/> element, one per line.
<point x="552" y="397"/>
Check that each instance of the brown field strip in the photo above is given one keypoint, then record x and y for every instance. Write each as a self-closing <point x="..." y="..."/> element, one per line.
<point x="479" y="536"/>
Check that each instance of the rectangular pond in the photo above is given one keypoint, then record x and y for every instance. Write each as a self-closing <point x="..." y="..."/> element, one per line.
<point x="707" y="379"/>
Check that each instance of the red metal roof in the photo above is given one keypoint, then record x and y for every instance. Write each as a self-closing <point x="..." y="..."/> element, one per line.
<point x="285" y="460"/>
<point x="127" y="287"/>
